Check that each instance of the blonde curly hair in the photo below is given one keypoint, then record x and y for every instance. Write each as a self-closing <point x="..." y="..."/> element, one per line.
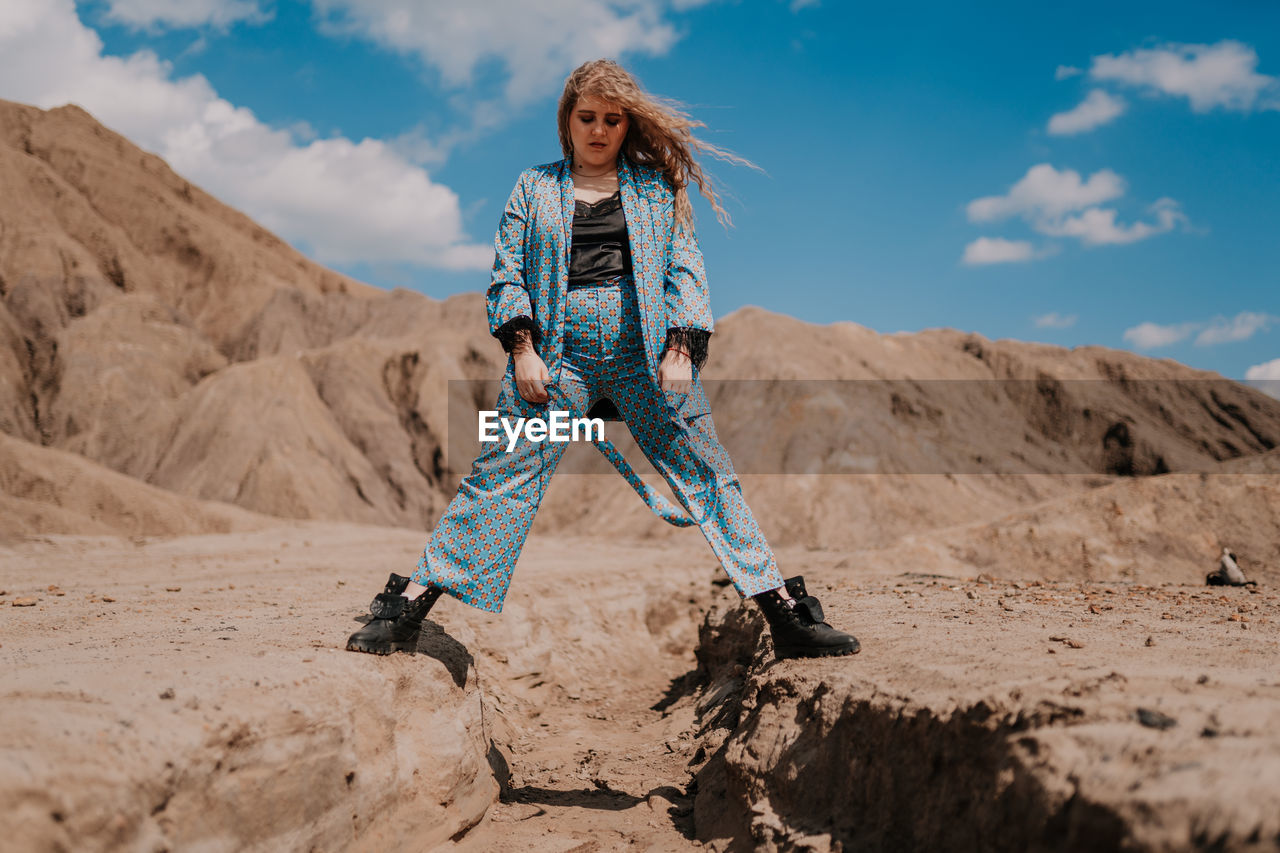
<point x="660" y="133"/>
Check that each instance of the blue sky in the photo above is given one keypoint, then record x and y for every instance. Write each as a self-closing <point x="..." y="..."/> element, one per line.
<point x="1107" y="176"/>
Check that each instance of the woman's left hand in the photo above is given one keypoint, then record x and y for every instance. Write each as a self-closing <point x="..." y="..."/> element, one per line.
<point x="675" y="373"/>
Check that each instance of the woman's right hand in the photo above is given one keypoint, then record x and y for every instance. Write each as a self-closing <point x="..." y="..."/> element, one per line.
<point x="531" y="374"/>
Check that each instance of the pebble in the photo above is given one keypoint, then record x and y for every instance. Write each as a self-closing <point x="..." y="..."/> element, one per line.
<point x="1155" y="720"/>
<point x="25" y="601"/>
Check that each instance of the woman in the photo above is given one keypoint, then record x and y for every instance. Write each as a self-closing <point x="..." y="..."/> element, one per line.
<point x="623" y="315"/>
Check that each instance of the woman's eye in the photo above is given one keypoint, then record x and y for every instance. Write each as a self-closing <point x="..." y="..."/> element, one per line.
<point x="614" y="122"/>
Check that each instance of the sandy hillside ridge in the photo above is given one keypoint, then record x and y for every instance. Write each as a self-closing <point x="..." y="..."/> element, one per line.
<point x="152" y="330"/>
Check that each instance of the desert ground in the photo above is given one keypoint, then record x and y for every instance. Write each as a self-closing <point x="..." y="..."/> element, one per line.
<point x="213" y="451"/>
<point x="194" y="693"/>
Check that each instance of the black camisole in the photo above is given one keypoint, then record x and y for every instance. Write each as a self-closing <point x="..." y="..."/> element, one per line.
<point x="600" y="248"/>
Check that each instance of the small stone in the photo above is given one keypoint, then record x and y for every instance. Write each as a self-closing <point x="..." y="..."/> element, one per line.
<point x="167" y="693"/>
<point x="1204" y="679"/>
<point x="108" y="599"/>
<point x="1075" y="644"/>
<point x="1151" y="641"/>
<point x="1155" y="720"/>
<point x="25" y="601"/>
<point x="53" y="589"/>
<point x="173" y="589"/>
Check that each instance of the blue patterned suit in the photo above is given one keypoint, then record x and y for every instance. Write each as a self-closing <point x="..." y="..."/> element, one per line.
<point x="598" y="342"/>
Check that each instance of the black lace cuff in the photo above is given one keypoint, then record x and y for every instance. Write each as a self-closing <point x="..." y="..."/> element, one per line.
<point x="507" y="332"/>
<point x="692" y="341"/>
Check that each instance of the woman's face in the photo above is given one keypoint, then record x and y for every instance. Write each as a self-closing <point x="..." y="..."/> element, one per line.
<point x="597" y="129"/>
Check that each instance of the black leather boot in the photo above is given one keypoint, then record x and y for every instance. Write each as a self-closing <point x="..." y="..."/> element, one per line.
<point x="396" y="620"/>
<point x="798" y="630"/>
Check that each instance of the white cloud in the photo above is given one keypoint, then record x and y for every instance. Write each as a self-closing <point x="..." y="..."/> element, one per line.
<point x="342" y="200"/>
<point x="1098" y="227"/>
<point x="148" y="14"/>
<point x="1046" y="192"/>
<point x="1062" y="72"/>
<point x="1060" y="204"/>
<point x="1265" y="377"/>
<point x="1097" y="109"/>
<point x="535" y="43"/>
<point x="1219" y="75"/>
<point x="1054" y="320"/>
<point x="1220" y="330"/>
<point x="996" y="250"/>
<point x="1239" y="328"/>
<point x="1152" y="335"/>
<point x="1268" y="370"/>
<point x="797" y="5"/>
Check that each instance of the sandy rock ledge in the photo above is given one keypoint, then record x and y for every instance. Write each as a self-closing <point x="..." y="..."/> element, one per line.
<point x="1001" y="735"/>
<point x="170" y="701"/>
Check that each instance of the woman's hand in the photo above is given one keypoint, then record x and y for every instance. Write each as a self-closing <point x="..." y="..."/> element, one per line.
<point x="531" y="374"/>
<point x="675" y="373"/>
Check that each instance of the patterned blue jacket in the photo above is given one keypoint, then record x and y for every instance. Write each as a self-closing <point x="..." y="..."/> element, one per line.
<point x="531" y="263"/>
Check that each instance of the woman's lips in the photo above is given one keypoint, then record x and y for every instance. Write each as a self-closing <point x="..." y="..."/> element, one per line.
<point x="597" y="144"/>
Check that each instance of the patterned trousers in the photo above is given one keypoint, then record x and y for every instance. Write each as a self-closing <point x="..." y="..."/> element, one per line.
<point x="474" y="547"/>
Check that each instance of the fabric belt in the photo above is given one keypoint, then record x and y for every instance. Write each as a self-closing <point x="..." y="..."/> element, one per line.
<point x="611" y="281"/>
<point x="660" y="506"/>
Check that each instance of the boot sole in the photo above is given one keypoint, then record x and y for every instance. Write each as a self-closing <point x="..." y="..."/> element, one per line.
<point x="834" y="652"/>
<point x="381" y="650"/>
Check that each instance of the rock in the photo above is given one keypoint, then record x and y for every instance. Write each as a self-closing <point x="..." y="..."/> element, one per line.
<point x="25" y="601"/>
<point x="1154" y="719"/>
